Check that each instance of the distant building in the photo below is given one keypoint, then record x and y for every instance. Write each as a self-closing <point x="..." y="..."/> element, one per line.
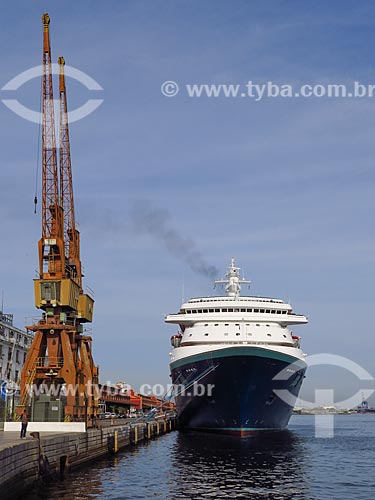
<point x="14" y="345"/>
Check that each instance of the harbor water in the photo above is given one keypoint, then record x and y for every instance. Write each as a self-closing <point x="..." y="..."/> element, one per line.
<point x="292" y="464"/>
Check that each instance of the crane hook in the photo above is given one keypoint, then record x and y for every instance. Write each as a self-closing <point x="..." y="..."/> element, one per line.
<point x="35" y="204"/>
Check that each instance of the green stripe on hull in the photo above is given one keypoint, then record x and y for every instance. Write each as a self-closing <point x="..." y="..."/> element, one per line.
<point x="238" y="351"/>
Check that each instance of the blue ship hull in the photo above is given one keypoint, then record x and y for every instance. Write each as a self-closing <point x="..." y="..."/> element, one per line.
<point x="242" y="399"/>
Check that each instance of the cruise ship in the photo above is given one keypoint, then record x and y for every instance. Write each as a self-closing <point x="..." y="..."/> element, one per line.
<point x="236" y="366"/>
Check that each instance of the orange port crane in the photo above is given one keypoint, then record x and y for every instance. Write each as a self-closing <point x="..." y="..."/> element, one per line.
<point x="59" y="380"/>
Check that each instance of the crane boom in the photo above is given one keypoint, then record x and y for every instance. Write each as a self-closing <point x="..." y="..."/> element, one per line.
<point x="51" y="246"/>
<point x="71" y="234"/>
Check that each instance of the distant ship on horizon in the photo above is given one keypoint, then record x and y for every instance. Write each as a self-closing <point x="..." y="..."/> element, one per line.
<point x="237" y="346"/>
<point x="364" y="408"/>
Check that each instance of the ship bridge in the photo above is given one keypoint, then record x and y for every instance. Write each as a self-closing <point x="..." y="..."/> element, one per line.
<point x="233" y="307"/>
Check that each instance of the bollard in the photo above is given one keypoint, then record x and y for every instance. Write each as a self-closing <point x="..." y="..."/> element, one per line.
<point x="148" y="430"/>
<point x="133" y="435"/>
<point x="165" y="426"/>
<point x="116" y="441"/>
<point x="112" y="443"/>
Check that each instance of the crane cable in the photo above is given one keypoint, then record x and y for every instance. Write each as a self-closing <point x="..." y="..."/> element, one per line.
<point x="38" y="153"/>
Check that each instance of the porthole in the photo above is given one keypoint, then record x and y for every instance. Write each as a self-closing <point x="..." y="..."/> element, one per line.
<point x="238" y="334"/>
<point x="269" y="335"/>
<point x="226" y="334"/>
<point x="216" y="324"/>
<point x="226" y="324"/>
<point x="206" y="334"/>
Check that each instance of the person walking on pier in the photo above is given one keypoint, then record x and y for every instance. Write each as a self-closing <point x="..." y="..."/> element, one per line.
<point x="24" y="422"/>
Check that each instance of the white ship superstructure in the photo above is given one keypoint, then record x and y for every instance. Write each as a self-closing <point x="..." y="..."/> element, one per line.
<point x="211" y="322"/>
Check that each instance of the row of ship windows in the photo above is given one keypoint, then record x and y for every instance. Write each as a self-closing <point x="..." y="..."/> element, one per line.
<point x="231" y="309"/>
<point x="237" y="334"/>
<point x="268" y="301"/>
<point x="237" y="324"/>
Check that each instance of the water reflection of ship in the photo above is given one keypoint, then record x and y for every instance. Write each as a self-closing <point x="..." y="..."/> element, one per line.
<point x="218" y="466"/>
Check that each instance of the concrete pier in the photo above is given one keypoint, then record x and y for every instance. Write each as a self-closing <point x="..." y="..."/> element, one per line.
<point x="25" y="462"/>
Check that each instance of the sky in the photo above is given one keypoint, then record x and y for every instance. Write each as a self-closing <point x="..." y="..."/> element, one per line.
<point x="286" y="186"/>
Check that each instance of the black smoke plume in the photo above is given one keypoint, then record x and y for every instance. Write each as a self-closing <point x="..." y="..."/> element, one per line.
<point x="156" y="222"/>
